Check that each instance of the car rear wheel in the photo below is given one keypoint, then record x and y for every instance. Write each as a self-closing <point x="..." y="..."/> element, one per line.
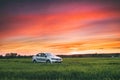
<point x="48" y="61"/>
<point x="34" y="61"/>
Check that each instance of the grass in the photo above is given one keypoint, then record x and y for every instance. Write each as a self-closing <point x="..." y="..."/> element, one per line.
<point x="70" y="69"/>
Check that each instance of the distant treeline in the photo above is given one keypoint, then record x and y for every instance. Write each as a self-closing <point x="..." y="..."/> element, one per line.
<point x="91" y="55"/>
<point x="15" y="55"/>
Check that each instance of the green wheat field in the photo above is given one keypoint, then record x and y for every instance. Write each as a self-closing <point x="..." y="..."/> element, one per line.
<point x="70" y="69"/>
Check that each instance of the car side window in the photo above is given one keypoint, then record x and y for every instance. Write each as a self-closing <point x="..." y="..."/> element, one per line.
<point x="43" y="55"/>
<point x="37" y="55"/>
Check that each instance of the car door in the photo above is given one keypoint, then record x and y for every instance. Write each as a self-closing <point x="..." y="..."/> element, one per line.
<point x="38" y="57"/>
<point x="42" y="57"/>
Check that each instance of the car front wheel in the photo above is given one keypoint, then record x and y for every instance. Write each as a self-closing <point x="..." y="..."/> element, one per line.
<point x="48" y="61"/>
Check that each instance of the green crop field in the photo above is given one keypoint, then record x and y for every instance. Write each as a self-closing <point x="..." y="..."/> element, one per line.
<point x="70" y="69"/>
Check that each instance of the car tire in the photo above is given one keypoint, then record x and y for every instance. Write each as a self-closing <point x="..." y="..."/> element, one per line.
<point x="48" y="61"/>
<point x="34" y="61"/>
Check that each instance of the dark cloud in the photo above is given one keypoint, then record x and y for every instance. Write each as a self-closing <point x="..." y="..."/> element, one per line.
<point x="104" y="1"/>
<point x="118" y="39"/>
<point x="116" y="47"/>
<point x="101" y="48"/>
<point x="32" y="6"/>
<point x="100" y="23"/>
<point x="114" y="20"/>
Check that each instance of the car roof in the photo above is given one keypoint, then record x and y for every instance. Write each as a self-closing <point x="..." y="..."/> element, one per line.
<point x="44" y="53"/>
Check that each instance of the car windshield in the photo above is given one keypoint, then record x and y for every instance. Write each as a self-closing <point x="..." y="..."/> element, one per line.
<point x="49" y="54"/>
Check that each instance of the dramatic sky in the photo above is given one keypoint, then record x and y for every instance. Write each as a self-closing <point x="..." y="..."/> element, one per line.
<point x="59" y="26"/>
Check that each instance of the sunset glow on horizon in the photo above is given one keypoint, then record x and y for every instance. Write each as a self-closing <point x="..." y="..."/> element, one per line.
<point x="61" y="27"/>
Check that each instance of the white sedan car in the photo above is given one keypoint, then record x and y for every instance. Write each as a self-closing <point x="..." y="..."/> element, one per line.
<point x="46" y="58"/>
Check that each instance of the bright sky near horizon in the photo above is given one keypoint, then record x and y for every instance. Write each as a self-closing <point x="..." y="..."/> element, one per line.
<point x="59" y="26"/>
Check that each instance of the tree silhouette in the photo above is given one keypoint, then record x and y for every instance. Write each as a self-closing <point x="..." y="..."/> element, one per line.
<point x="11" y="55"/>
